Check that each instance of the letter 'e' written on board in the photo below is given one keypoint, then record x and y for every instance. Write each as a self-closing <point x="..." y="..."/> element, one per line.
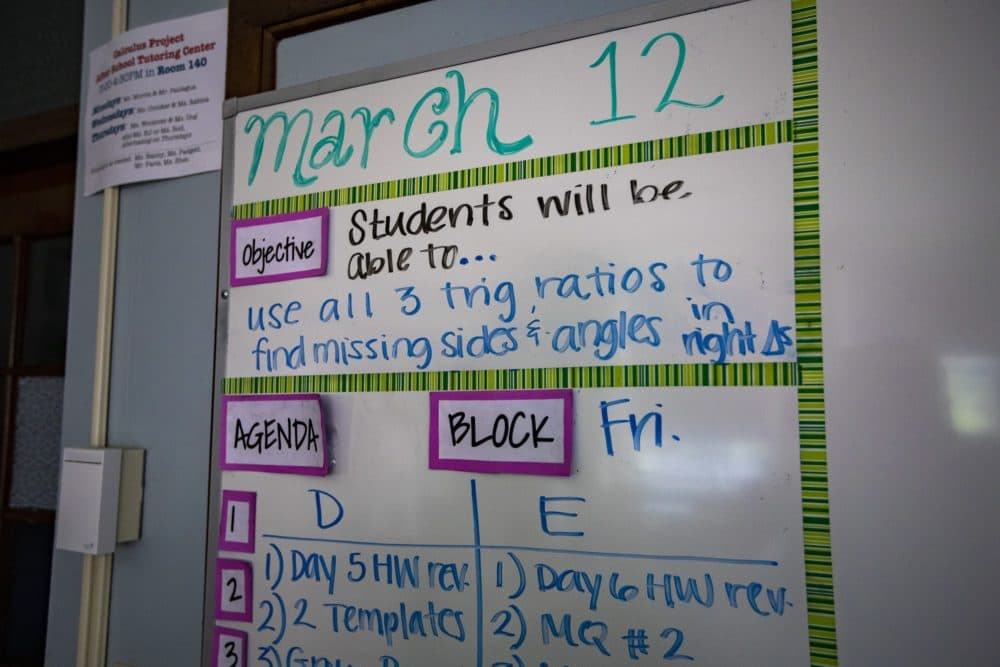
<point x="528" y="432"/>
<point x="283" y="433"/>
<point x="279" y="247"/>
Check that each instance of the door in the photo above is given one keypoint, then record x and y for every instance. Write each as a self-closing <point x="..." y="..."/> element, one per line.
<point x="36" y="195"/>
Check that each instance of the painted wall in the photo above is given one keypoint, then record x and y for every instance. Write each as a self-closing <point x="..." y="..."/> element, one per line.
<point x="64" y="593"/>
<point x="909" y="165"/>
<point x="161" y="388"/>
<point x="909" y="162"/>
<point x="443" y="25"/>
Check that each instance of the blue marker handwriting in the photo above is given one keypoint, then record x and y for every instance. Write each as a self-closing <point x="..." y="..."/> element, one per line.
<point x="498" y="317"/>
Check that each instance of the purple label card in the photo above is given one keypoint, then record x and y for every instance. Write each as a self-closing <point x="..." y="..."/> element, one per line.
<point x="229" y="647"/>
<point x="233" y="590"/>
<point x="279" y="247"/>
<point x="238" y="521"/>
<point x="283" y="433"/>
<point x="526" y="432"/>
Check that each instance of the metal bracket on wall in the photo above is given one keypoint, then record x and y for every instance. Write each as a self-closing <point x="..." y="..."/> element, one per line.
<point x="130" y="491"/>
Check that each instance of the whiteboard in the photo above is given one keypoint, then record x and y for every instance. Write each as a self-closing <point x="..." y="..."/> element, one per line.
<point x="625" y="215"/>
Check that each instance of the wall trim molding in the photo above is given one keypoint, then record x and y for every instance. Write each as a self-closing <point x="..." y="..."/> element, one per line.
<point x="256" y="27"/>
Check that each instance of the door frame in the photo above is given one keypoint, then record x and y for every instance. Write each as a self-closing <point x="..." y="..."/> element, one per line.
<point x="256" y="27"/>
<point x="37" y="186"/>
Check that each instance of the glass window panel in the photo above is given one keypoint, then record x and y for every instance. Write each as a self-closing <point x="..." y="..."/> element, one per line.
<point x="6" y="287"/>
<point x="35" y="478"/>
<point x="47" y="302"/>
<point x="28" y="548"/>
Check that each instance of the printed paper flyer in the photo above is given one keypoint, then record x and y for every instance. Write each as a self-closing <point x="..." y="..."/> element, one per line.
<point x="154" y="102"/>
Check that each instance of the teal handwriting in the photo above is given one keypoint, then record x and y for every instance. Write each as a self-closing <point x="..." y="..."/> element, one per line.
<point x="334" y="144"/>
<point x="609" y="54"/>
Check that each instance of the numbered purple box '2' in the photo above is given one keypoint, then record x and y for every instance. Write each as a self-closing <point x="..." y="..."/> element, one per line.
<point x="279" y="247"/>
<point x="233" y="590"/>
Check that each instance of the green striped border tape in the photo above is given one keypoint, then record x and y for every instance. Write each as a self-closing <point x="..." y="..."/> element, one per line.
<point x="809" y="343"/>
<point x="766" y="374"/>
<point x="703" y="143"/>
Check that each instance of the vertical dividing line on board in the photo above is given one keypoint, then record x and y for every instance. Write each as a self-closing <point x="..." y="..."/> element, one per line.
<point x="479" y="574"/>
<point x="95" y="585"/>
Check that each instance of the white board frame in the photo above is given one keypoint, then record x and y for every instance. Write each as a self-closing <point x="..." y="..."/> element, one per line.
<point x="547" y="36"/>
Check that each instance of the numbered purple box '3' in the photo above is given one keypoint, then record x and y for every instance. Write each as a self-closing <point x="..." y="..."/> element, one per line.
<point x="527" y="432"/>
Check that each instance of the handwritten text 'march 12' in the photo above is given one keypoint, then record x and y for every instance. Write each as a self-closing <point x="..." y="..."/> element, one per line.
<point x="435" y="121"/>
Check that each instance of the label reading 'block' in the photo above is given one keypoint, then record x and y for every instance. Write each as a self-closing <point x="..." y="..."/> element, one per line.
<point x="279" y="247"/>
<point x="524" y="432"/>
<point x="284" y="433"/>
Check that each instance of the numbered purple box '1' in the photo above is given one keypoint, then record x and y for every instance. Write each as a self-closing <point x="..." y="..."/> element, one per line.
<point x="279" y="247"/>
<point x="238" y="521"/>
<point x="526" y="432"/>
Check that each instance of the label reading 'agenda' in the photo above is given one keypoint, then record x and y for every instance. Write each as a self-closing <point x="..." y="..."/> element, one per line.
<point x="284" y="433"/>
